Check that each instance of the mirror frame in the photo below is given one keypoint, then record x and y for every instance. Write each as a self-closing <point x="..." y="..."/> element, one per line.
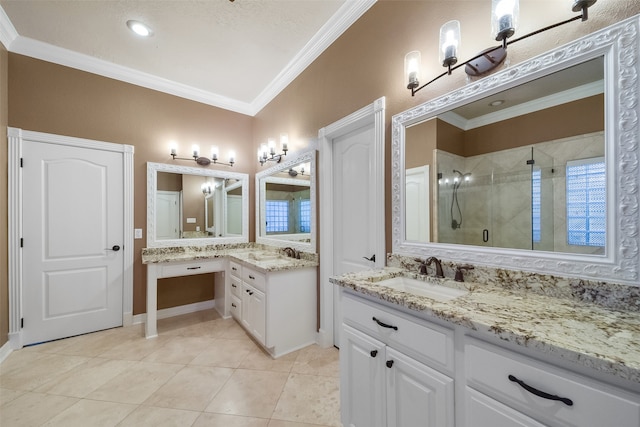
<point x="621" y="262"/>
<point x="266" y="176"/>
<point x="152" y="175"/>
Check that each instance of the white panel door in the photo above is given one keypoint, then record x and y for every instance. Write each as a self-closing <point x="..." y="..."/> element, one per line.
<point x="168" y="214"/>
<point x="234" y="215"/>
<point x="73" y="216"/>
<point x="417" y="204"/>
<point x="354" y="175"/>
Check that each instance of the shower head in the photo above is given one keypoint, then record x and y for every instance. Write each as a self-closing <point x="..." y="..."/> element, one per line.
<point x="462" y="176"/>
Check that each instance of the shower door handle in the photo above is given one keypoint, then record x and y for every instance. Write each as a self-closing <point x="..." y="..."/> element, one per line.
<point x="485" y="235"/>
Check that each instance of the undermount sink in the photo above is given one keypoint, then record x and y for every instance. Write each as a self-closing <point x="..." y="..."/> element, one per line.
<point x="263" y="256"/>
<point x="274" y="262"/>
<point x="424" y="289"/>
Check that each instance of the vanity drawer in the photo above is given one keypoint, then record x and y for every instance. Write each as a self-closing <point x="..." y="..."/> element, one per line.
<point x="236" y="286"/>
<point x="427" y="342"/>
<point x="236" y="307"/>
<point x="488" y="369"/>
<point x="253" y="278"/>
<point x="235" y="269"/>
<point x="189" y="268"/>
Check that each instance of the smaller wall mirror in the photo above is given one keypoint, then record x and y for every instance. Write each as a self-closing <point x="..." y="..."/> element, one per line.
<point x="193" y="207"/>
<point x="286" y="200"/>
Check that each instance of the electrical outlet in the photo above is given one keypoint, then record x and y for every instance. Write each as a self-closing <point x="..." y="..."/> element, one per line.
<point x="138" y="233"/>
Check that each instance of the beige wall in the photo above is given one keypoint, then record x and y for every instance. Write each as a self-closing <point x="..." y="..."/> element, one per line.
<point x="4" y="271"/>
<point x="365" y="63"/>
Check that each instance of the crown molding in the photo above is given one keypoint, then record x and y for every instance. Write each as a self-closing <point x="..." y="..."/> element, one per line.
<point x="338" y="24"/>
<point x="346" y="16"/>
<point x="57" y="55"/>
<point x="8" y="32"/>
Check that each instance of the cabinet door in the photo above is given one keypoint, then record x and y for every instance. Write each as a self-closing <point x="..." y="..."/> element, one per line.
<point x="362" y="387"/>
<point x="417" y="396"/>
<point x="481" y="410"/>
<point x="257" y="314"/>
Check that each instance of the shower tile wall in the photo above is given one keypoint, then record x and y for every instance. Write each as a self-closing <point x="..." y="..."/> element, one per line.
<point x="498" y="196"/>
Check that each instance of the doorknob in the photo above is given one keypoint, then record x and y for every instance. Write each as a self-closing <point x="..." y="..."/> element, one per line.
<point x="115" y="248"/>
<point x="372" y="259"/>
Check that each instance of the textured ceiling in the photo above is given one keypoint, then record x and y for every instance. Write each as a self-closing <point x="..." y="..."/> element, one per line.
<point x="235" y="55"/>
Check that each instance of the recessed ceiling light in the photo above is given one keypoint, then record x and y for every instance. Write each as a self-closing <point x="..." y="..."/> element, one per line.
<point x="496" y="103"/>
<point x="139" y="28"/>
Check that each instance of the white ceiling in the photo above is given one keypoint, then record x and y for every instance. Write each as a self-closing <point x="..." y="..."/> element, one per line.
<point x="235" y="55"/>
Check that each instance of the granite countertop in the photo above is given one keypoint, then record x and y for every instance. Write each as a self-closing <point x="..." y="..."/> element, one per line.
<point x="238" y="252"/>
<point x="600" y="338"/>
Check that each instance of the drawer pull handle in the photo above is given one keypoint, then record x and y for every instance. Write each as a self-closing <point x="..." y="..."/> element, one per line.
<point x="374" y="353"/>
<point x="234" y="269"/>
<point x="193" y="268"/>
<point x="389" y="363"/>
<point x="233" y="305"/>
<point x="539" y="393"/>
<point x="384" y="325"/>
<point x="233" y="285"/>
<point x="251" y="277"/>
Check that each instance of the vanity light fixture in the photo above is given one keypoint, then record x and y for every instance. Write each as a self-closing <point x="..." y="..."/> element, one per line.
<point x="504" y="22"/>
<point x="206" y="188"/>
<point x="139" y="28"/>
<point x="204" y="161"/>
<point x="267" y="152"/>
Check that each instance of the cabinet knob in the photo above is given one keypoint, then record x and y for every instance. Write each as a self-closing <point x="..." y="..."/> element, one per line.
<point x="374" y="353"/>
<point x="233" y="285"/>
<point x="233" y="305"/>
<point x="251" y="277"/>
<point x="389" y="363"/>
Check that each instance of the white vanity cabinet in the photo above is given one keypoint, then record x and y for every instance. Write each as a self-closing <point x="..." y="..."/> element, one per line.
<point x="278" y="308"/>
<point x="391" y="368"/>
<point x="504" y="388"/>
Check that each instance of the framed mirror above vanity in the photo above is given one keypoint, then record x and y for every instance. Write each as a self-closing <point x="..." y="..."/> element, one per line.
<point x="534" y="168"/>
<point x="286" y="201"/>
<point x="189" y="206"/>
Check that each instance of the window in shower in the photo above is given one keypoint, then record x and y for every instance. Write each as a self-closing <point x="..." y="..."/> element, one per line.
<point x="305" y="216"/>
<point x="277" y="216"/>
<point x="586" y="202"/>
<point x="536" y="201"/>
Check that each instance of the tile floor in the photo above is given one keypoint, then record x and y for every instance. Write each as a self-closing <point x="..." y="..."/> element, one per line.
<point x="201" y="371"/>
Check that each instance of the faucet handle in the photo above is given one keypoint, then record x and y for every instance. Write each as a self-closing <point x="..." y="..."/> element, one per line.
<point x="459" y="272"/>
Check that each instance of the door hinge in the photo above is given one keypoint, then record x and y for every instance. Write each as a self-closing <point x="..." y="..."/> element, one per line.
<point x="531" y="162"/>
<point x="21" y="162"/>
<point x="22" y="322"/>
<point x="21" y="242"/>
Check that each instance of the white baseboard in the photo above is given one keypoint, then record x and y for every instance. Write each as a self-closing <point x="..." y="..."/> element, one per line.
<point x="176" y="311"/>
<point x="127" y="319"/>
<point x="5" y="351"/>
<point x="324" y="340"/>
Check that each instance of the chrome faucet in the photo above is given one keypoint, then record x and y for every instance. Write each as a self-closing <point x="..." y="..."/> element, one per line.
<point x="291" y="253"/>
<point x="435" y="260"/>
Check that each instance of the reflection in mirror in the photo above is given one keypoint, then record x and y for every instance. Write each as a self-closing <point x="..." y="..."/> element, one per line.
<point x="194" y="206"/>
<point x="286" y="201"/>
<point x="505" y="166"/>
<point x="533" y="168"/>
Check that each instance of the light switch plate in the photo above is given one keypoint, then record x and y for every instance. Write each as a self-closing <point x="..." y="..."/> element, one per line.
<point x="138" y="233"/>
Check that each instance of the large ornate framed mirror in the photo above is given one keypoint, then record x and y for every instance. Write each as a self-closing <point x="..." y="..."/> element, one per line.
<point x="534" y="168"/>
<point x="195" y="206"/>
<point x="286" y="203"/>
